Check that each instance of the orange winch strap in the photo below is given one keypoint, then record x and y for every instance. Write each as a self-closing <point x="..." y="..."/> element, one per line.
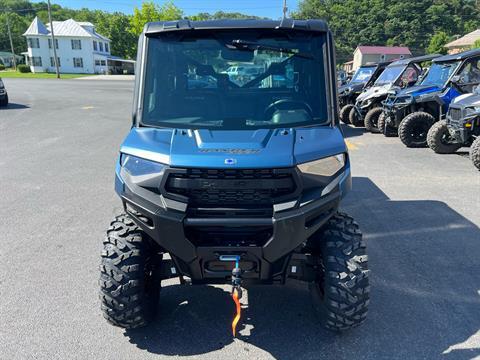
<point x="239" y="309"/>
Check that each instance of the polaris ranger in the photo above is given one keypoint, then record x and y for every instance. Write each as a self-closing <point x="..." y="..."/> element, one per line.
<point x="239" y="182"/>
<point x="400" y="74"/>
<point x="363" y="78"/>
<point x="3" y="94"/>
<point x="411" y="112"/>
<point x="462" y="128"/>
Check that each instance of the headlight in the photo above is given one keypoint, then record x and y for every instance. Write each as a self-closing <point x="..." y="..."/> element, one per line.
<point x="324" y="167"/>
<point x="472" y="111"/>
<point x="136" y="166"/>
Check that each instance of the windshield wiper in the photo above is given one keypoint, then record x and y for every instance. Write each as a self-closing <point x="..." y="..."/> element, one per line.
<point x="252" y="46"/>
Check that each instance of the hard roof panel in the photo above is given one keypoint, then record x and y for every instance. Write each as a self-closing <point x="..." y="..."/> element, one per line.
<point x="307" y="25"/>
<point x="417" y="59"/>
<point x="459" y="56"/>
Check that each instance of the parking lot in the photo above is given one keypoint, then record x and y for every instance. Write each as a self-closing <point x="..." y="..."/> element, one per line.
<point x="58" y="143"/>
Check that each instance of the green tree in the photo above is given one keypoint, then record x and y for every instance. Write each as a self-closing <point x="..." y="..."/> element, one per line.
<point x="410" y="23"/>
<point x="152" y="12"/>
<point x="437" y="43"/>
<point x="476" y="44"/>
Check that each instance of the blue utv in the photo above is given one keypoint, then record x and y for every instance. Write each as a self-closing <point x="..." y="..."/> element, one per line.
<point x="411" y="112"/>
<point x="239" y="182"/>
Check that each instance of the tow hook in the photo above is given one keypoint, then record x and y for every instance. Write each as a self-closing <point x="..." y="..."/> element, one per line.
<point x="236" y="287"/>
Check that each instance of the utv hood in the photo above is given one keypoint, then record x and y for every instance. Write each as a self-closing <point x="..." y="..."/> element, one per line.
<point x="467" y="100"/>
<point x="352" y="87"/>
<point x="419" y="90"/>
<point x="374" y="91"/>
<point x="264" y="148"/>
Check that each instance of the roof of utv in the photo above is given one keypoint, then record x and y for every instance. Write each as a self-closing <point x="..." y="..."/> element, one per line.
<point x="287" y="24"/>
<point x="416" y="60"/>
<point x="459" y="56"/>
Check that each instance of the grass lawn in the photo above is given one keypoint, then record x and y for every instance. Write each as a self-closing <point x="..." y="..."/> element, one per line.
<point x="16" y="74"/>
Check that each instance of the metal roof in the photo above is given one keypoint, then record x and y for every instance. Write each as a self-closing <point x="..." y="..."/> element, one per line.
<point x="384" y="50"/>
<point x="466" y="40"/>
<point x="36" y="28"/>
<point x="306" y="25"/>
<point x="68" y="27"/>
<point x="459" y="56"/>
<point x="416" y="60"/>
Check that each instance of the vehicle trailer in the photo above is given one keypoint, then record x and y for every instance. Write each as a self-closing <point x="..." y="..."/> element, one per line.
<point x="399" y="74"/>
<point x="3" y="94"/>
<point x="239" y="182"/>
<point x="411" y="112"/>
<point x="461" y="128"/>
<point x="363" y="78"/>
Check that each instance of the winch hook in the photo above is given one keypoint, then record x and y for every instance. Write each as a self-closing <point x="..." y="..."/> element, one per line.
<point x="236" y="289"/>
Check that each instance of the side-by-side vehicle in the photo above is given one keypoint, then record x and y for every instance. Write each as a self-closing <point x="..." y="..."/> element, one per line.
<point x="363" y="78"/>
<point x="411" y="112"/>
<point x="461" y="128"/>
<point x="400" y="74"/>
<point x="240" y="181"/>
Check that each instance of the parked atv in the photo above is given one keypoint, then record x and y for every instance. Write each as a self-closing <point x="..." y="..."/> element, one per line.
<point x="462" y="128"/>
<point x="363" y="78"/>
<point x="400" y="74"/>
<point x="411" y="112"/>
<point x="239" y="182"/>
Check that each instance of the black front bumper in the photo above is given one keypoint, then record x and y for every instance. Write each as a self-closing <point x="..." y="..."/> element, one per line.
<point x="171" y="226"/>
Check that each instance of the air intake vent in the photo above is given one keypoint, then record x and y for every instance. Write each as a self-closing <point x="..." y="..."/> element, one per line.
<point x="232" y="187"/>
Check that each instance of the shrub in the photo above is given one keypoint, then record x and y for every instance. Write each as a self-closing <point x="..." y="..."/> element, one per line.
<point x="23" y="68"/>
<point x="2" y="67"/>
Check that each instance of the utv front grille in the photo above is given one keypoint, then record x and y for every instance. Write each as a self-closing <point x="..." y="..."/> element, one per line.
<point x="455" y="114"/>
<point x="221" y="188"/>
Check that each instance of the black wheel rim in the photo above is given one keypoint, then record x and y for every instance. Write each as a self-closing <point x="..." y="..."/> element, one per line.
<point x="418" y="133"/>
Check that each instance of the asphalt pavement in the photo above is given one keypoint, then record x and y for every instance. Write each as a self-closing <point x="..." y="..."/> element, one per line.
<point x="420" y="214"/>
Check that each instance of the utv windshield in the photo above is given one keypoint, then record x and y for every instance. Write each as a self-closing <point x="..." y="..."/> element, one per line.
<point x="390" y="75"/>
<point x="439" y="73"/>
<point x="363" y="74"/>
<point x="235" y="80"/>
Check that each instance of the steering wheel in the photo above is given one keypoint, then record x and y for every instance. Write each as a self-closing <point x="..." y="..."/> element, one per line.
<point x="286" y="104"/>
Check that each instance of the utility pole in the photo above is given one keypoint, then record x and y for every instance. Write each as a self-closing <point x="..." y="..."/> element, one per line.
<point x="11" y="43"/>
<point x="55" y="59"/>
<point x="285" y="9"/>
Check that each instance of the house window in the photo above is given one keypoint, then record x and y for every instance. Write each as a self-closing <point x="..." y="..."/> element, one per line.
<point x="76" y="44"/>
<point x="78" y="62"/>
<point x="103" y="62"/>
<point x="36" y="61"/>
<point x="97" y="62"/>
<point x="33" y="43"/>
<point x="52" y="61"/>
<point x="95" y="47"/>
<point x="101" y="46"/>
<point x="106" y="47"/>
<point x="50" y="43"/>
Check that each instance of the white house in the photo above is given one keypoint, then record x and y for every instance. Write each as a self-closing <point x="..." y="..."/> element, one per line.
<point x="80" y="49"/>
